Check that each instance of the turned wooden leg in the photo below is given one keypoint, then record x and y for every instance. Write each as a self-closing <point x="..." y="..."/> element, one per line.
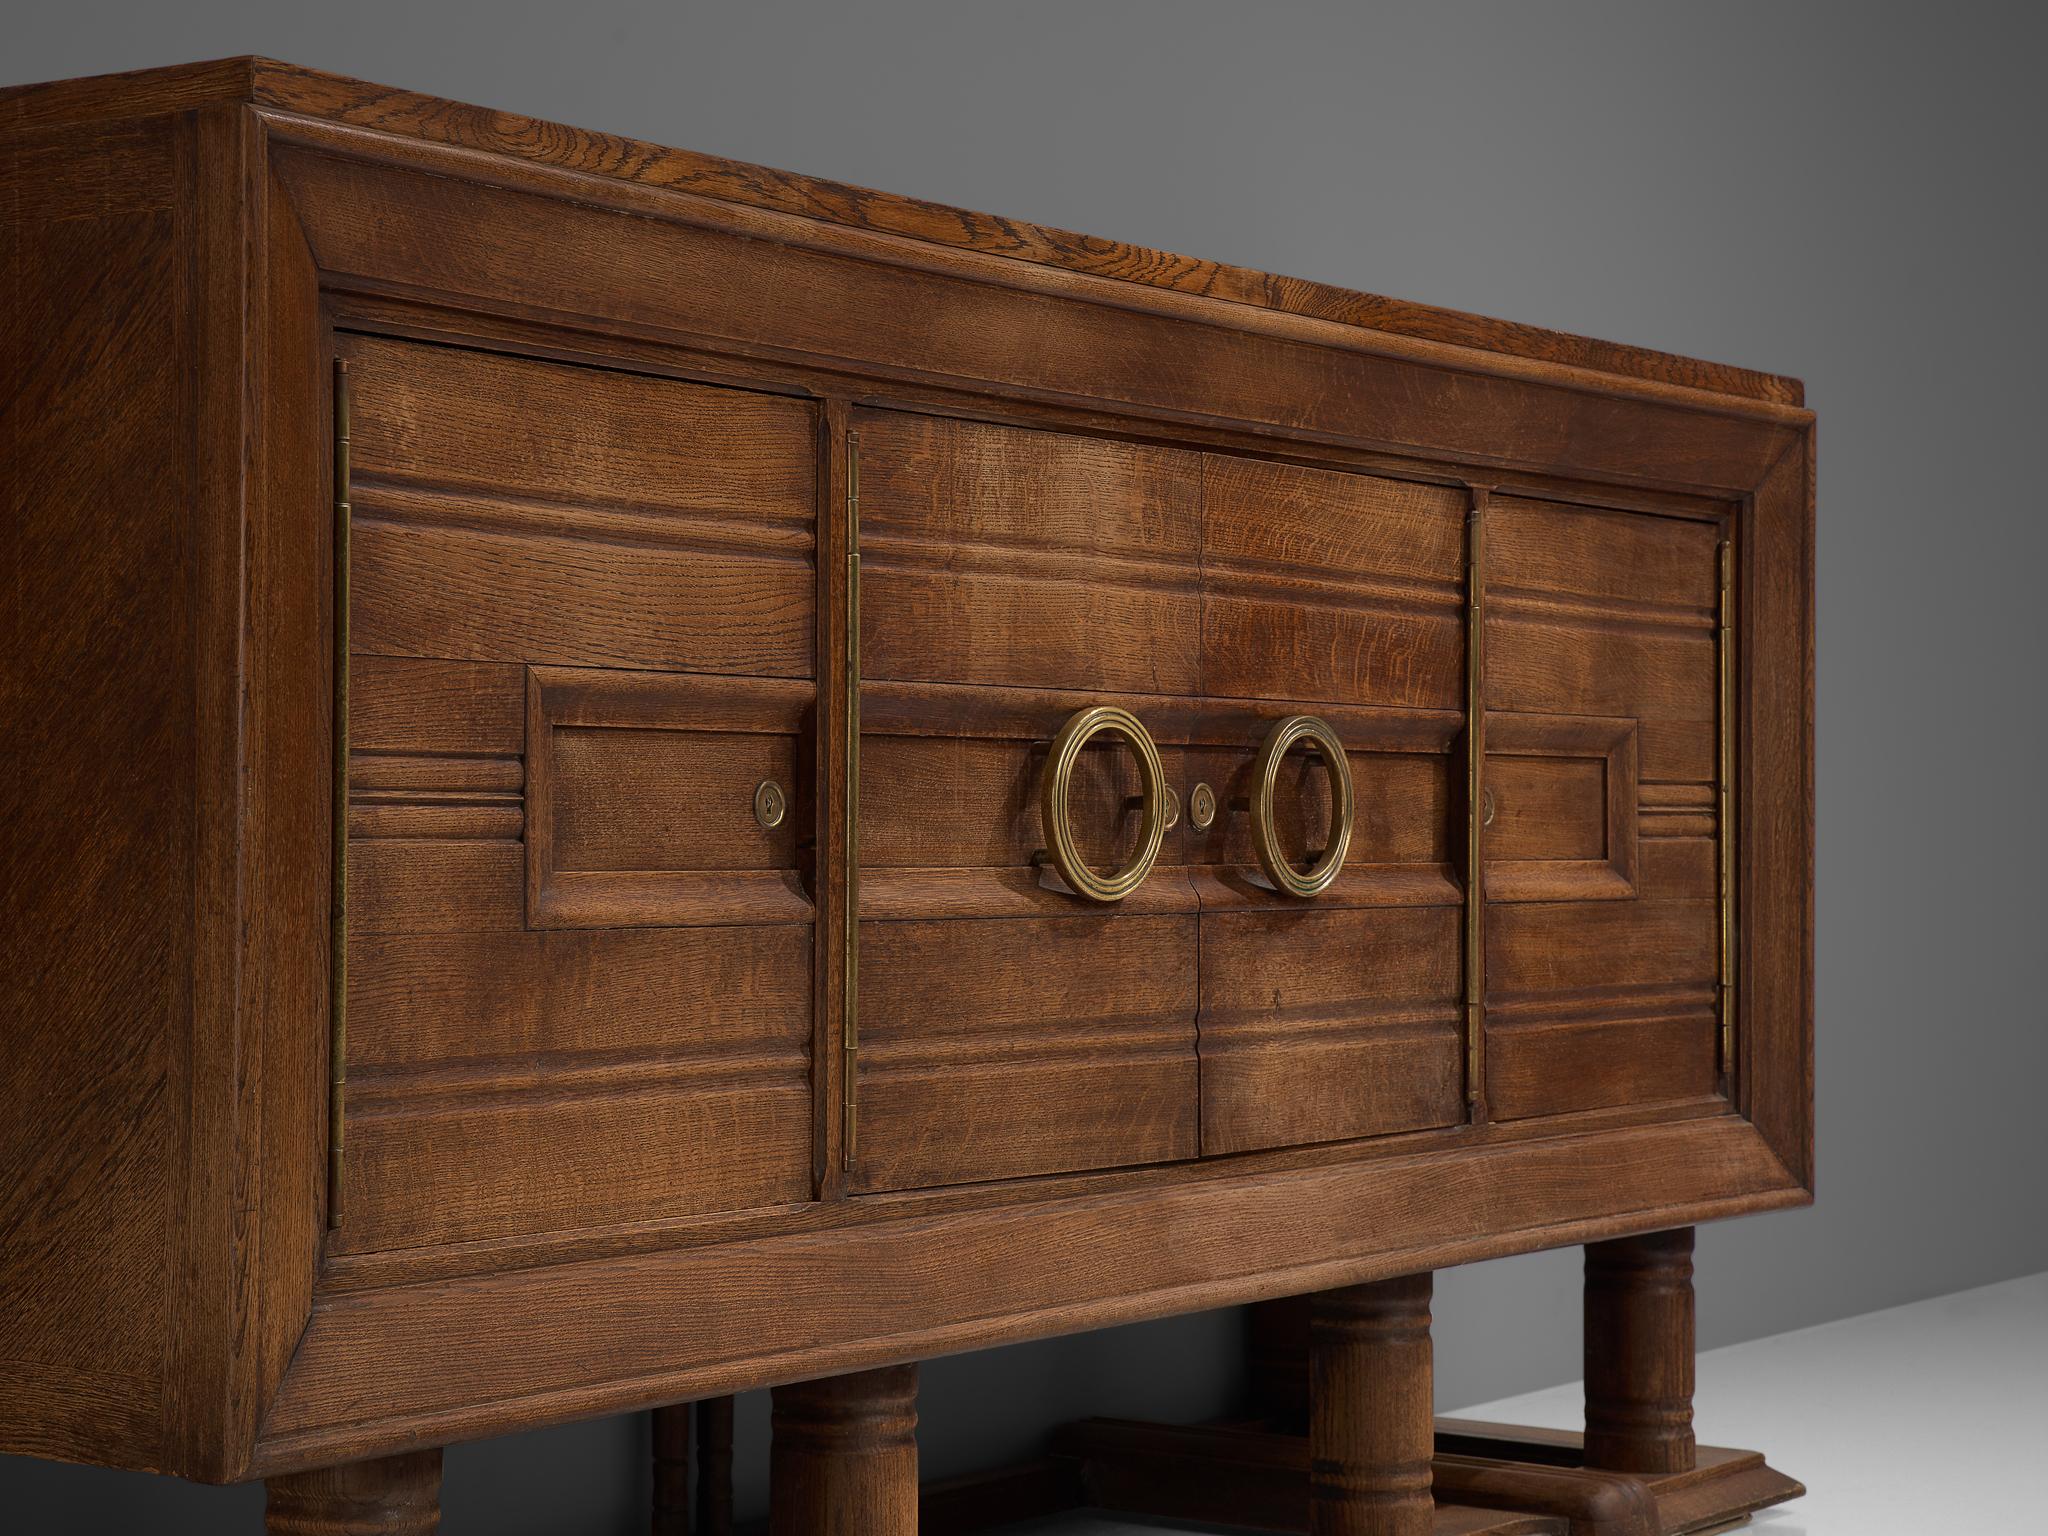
<point x="844" y="1457"/>
<point x="1639" y="1353"/>
<point x="1371" y="1430"/>
<point x="393" y="1496"/>
<point x="672" y="1470"/>
<point x="714" y="1467"/>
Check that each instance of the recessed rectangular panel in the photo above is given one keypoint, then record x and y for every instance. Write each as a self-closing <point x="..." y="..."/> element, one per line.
<point x="1602" y="928"/>
<point x="1560" y="808"/>
<point x="649" y="1058"/>
<point x="1552" y="809"/>
<point x="660" y="799"/>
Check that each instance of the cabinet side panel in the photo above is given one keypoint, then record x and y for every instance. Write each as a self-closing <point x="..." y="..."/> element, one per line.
<point x="289" y="807"/>
<point x="96" y="784"/>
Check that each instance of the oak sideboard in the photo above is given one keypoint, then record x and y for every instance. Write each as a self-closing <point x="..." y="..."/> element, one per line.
<point x="631" y="777"/>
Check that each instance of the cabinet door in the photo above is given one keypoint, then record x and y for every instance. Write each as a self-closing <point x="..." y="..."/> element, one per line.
<point x="579" y="967"/>
<point x="1341" y="596"/>
<point x="1602" y="923"/>
<point x="1008" y="579"/>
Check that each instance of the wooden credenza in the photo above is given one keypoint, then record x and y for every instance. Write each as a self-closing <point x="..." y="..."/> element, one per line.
<point x="631" y="777"/>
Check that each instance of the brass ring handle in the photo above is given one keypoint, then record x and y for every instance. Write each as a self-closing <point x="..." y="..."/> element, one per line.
<point x="1279" y="868"/>
<point x="1056" y="779"/>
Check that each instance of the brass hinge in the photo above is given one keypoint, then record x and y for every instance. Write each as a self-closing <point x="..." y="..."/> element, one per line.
<point x="850" y="919"/>
<point x="337" y="1043"/>
<point x="1475" y="803"/>
<point x="1724" y="731"/>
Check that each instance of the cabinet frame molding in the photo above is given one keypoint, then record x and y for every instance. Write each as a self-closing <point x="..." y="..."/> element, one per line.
<point x="281" y="1358"/>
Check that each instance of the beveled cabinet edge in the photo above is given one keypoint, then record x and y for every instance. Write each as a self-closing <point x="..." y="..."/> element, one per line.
<point x="244" y="1295"/>
<point x="439" y="1358"/>
<point x="283" y="1443"/>
<point x="509" y="136"/>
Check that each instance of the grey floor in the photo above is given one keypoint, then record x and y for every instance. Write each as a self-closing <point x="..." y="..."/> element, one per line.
<point x="1925" y="1420"/>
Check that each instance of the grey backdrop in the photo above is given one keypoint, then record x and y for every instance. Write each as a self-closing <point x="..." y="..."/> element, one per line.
<point x="1851" y="193"/>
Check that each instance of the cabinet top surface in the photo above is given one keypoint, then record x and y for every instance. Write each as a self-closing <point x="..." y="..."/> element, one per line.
<point x="290" y="89"/>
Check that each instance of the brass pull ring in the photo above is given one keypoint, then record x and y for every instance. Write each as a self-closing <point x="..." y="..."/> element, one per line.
<point x="1279" y="868"/>
<point x="1056" y="780"/>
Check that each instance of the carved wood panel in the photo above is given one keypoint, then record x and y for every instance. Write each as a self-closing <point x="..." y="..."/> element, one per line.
<point x="579" y="967"/>
<point x="1603" y="924"/>
<point x="1008" y="579"/>
<point x="1337" y="595"/>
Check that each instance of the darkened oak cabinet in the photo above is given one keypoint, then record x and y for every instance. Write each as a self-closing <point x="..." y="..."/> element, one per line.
<point x="552" y="850"/>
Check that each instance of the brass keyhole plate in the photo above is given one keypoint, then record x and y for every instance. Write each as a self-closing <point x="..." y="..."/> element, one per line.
<point x="770" y="804"/>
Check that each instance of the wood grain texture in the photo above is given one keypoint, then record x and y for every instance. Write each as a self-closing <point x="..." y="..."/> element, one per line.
<point x="998" y="1049"/>
<point x="641" y="799"/>
<point x="526" y="1081"/>
<point x="288" y="727"/>
<point x="843" y="1460"/>
<point x="1600" y="968"/>
<point x="382" y="219"/>
<point x="1322" y="586"/>
<point x="99" y="552"/>
<point x="291" y="88"/>
<point x="602" y="426"/>
<point x="1597" y="1003"/>
<point x="451" y="1358"/>
<point x="1774" y="809"/>
<point x="1563" y="792"/>
<point x="393" y="1496"/>
<point x="1326" y="1025"/>
<point x="1032" y="559"/>
<point x="1639" y="1353"/>
<point x="514" y="510"/>
<point x="1371" y="1432"/>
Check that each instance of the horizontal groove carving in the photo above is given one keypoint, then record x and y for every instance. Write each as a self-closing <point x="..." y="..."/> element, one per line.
<point x="707" y="531"/>
<point x="436" y="796"/>
<point x="1105" y="1039"/>
<point x="1658" y="796"/>
<point x="1225" y="1030"/>
<point x="1618" y="613"/>
<point x="1232" y="889"/>
<point x="1626" y="1000"/>
<point x="978" y="709"/>
<point x="999" y="1049"/>
<point x="517" y="1082"/>
<point x="1659" y="823"/>
<point x="888" y="894"/>
<point x="1008" y="555"/>
<point x="1364" y="593"/>
<point x="516" y="510"/>
<point x="488" y="1083"/>
<point x="1020" y="561"/>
